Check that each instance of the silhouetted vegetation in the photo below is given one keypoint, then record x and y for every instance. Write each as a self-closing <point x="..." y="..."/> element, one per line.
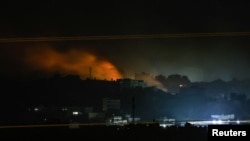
<point x="129" y="132"/>
<point x="195" y="101"/>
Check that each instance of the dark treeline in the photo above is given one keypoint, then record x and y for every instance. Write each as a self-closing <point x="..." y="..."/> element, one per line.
<point x="198" y="101"/>
<point x="128" y="132"/>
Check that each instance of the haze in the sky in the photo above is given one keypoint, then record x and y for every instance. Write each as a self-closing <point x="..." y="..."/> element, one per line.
<point x="201" y="58"/>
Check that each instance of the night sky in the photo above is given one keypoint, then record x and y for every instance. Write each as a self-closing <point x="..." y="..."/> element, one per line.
<point x="200" y="58"/>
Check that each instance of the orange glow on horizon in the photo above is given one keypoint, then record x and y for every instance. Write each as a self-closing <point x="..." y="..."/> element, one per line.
<point x="74" y="61"/>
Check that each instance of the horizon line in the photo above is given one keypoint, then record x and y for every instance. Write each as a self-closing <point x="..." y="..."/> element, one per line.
<point x="121" y="37"/>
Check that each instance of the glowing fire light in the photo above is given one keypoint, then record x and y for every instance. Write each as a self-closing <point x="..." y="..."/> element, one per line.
<point x="74" y="61"/>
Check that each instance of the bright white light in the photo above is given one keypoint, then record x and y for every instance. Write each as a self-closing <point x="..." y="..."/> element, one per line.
<point x="214" y="121"/>
<point x="36" y="109"/>
<point x="75" y="113"/>
<point x="238" y="122"/>
<point x="219" y="122"/>
<point x="163" y="125"/>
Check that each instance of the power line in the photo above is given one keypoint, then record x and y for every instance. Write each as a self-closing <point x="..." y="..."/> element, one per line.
<point x="122" y="37"/>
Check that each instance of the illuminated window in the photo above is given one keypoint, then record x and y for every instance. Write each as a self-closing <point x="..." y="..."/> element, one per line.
<point x="64" y="109"/>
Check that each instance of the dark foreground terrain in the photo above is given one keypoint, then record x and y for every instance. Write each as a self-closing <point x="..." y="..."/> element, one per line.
<point x="129" y="132"/>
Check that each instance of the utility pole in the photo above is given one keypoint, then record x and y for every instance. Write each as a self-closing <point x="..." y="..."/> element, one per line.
<point x="133" y="109"/>
<point x="90" y="72"/>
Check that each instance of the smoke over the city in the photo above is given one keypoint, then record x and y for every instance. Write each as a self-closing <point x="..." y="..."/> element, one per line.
<point x="206" y="60"/>
<point x="71" y="61"/>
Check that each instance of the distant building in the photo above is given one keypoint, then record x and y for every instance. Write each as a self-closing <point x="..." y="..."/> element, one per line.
<point x="130" y="119"/>
<point x="111" y="107"/>
<point x="88" y="109"/>
<point x="59" y="114"/>
<point x="223" y="117"/>
<point x="131" y="83"/>
<point x="116" y="120"/>
<point x="111" y="104"/>
<point x="96" y="116"/>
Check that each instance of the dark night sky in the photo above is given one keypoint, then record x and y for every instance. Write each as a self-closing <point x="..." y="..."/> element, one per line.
<point x="200" y="58"/>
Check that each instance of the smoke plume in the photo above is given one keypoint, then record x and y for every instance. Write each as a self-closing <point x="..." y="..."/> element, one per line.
<point x="72" y="61"/>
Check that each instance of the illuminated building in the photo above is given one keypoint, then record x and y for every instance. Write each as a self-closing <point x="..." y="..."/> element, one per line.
<point x="223" y="117"/>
